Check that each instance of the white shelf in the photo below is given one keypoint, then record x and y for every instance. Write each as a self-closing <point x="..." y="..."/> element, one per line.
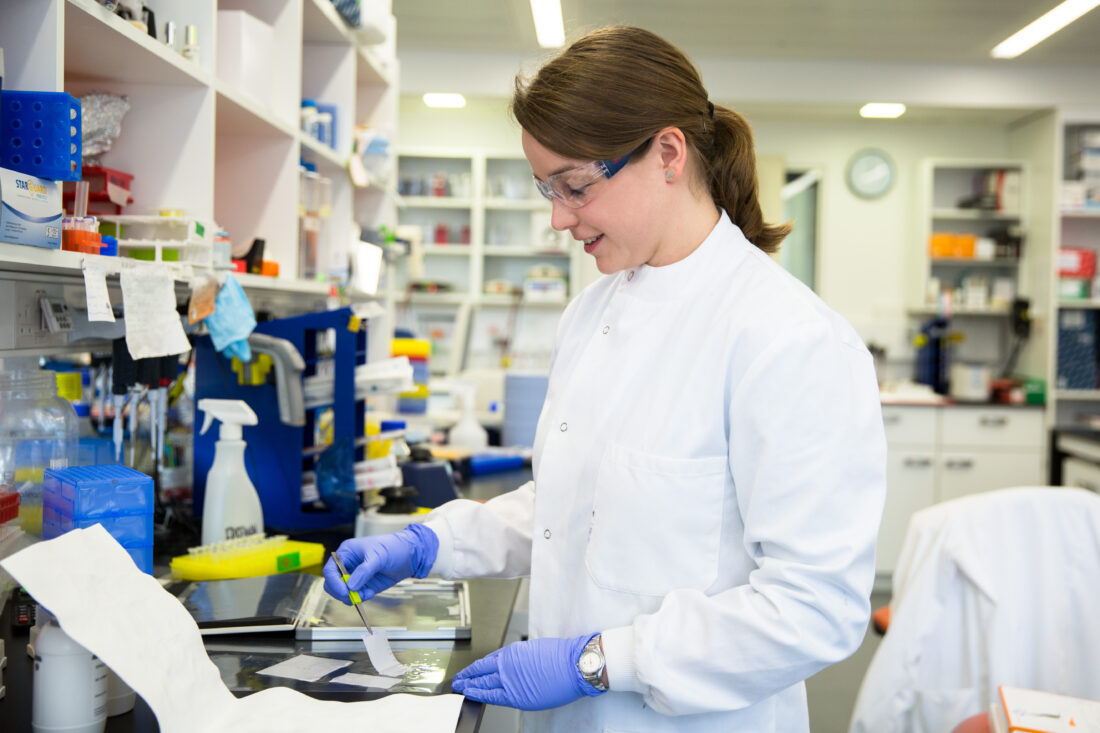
<point x="510" y="300"/>
<point x="371" y="71"/>
<point x="969" y="214"/>
<point x="435" y="298"/>
<point x="517" y="204"/>
<point x="1082" y="395"/>
<point x="1081" y="213"/>
<point x="101" y="46"/>
<point x="1086" y="304"/>
<point x="958" y="312"/>
<point x="970" y="262"/>
<point x="321" y="24"/>
<point x="521" y="251"/>
<point x="250" y="281"/>
<point x="436" y="202"/>
<point x="322" y="151"/>
<point x="446" y="250"/>
<point x="239" y="115"/>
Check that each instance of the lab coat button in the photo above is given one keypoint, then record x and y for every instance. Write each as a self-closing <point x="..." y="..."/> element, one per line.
<point x="546" y="534"/>
<point x="564" y="427"/>
<point x="605" y="329"/>
<point x="630" y="275"/>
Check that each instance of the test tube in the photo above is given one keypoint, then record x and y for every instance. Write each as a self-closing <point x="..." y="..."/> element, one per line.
<point x="80" y="201"/>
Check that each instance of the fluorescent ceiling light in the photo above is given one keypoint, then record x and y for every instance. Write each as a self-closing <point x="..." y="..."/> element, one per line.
<point x="444" y="99"/>
<point x="549" y="26"/>
<point x="1037" y="30"/>
<point x="887" y="110"/>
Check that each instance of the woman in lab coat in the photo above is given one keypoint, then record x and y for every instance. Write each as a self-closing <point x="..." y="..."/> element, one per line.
<point x="709" y="464"/>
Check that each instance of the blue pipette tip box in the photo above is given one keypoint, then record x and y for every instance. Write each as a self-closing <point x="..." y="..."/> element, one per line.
<point x="90" y="492"/>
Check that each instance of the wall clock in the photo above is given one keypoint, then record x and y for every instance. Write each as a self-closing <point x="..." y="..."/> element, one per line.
<point x="870" y="173"/>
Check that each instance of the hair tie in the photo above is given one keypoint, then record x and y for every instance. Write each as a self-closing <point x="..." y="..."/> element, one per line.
<point x="710" y="108"/>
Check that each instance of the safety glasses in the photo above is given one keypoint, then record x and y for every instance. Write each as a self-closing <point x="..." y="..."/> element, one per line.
<point x="573" y="187"/>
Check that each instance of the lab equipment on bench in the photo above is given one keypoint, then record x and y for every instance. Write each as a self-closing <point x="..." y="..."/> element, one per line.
<point x="296" y="604"/>
<point x="396" y="512"/>
<point x="246" y="557"/>
<point x="232" y="506"/>
<point x="70" y="685"/>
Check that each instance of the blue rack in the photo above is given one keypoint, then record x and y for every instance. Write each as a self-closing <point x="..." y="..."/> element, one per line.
<point x="276" y="455"/>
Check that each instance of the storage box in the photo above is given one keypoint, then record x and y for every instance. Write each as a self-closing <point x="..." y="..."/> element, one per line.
<point x="1077" y="367"/>
<point x="245" y="45"/>
<point x="91" y="492"/>
<point x="31" y="210"/>
<point x="1076" y="262"/>
<point x="1071" y="288"/>
<point x="41" y="134"/>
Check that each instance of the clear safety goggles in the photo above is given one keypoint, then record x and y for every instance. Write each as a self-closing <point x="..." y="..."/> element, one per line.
<point x="573" y="187"/>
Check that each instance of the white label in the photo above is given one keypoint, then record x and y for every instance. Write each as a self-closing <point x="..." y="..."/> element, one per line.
<point x="96" y="295"/>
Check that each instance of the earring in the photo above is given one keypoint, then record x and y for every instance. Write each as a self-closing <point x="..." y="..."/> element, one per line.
<point x="669" y="175"/>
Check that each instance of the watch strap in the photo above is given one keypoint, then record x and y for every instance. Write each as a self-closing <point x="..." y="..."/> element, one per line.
<point x="595" y="678"/>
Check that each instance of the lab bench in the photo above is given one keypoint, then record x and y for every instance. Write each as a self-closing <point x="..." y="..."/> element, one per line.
<point x="491" y="603"/>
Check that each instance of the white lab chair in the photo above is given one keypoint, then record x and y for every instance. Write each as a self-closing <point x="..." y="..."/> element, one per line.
<point x="998" y="588"/>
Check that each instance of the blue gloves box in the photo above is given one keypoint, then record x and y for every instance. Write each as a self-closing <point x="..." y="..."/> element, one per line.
<point x="1077" y="354"/>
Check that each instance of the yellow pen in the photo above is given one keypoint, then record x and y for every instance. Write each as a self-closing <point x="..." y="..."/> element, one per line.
<point x="355" y="599"/>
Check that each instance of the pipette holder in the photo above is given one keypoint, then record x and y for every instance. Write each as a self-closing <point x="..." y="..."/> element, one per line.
<point x="277" y="453"/>
<point x="40" y="134"/>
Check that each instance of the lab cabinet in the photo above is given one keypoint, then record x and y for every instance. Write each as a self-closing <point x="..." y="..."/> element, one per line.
<point x="939" y="453"/>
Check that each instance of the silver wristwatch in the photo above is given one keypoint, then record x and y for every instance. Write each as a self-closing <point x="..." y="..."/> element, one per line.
<point x="591" y="664"/>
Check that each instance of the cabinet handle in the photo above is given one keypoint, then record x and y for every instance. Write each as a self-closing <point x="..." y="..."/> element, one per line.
<point x="917" y="462"/>
<point x="959" y="463"/>
<point x="993" y="422"/>
<point x="891" y="419"/>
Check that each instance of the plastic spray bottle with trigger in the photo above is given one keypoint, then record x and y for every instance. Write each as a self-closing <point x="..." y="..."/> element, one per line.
<point x="232" y="506"/>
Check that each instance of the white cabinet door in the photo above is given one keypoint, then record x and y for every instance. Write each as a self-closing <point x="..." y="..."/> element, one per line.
<point x="910" y="487"/>
<point x="969" y="472"/>
<point x="907" y="425"/>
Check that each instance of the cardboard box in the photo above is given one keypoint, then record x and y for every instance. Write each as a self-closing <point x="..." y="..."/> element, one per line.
<point x="1076" y="262"/>
<point x="31" y="210"/>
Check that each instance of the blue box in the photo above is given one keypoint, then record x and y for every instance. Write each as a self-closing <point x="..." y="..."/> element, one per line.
<point x="90" y="492"/>
<point x="1077" y="357"/>
<point x="131" y="530"/>
<point x="143" y="557"/>
<point x="40" y="134"/>
<point x="95" y="452"/>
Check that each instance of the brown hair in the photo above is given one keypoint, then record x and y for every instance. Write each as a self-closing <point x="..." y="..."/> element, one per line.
<point x="615" y="88"/>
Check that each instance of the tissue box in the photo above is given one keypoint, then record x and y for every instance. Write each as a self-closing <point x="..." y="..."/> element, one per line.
<point x="31" y="210"/>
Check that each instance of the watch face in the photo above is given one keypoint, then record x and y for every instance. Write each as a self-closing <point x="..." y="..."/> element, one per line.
<point x="870" y="173"/>
<point x="589" y="663"/>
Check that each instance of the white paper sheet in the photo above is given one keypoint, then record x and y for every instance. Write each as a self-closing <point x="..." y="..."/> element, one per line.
<point x="153" y="327"/>
<point x="381" y="656"/>
<point x="366" y="680"/>
<point x="96" y="296"/>
<point x="148" y="638"/>
<point x="305" y="667"/>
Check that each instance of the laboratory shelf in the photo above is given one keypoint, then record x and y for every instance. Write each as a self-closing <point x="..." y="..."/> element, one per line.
<point x="1083" y="395"/>
<point x="1087" y="304"/>
<point x="322" y="151"/>
<point x="1080" y="213"/>
<point x="321" y="24"/>
<point x="960" y="312"/>
<point x="239" y="115"/>
<point x="370" y="70"/>
<point x="101" y="46"/>
<point x="437" y="298"/>
<point x="521" y="251"/>
<point x="446" y="250"/>
<point x="966" y="214"/>
<point x="972" y="262"/>
<point x="517" y="204"/>
<point x="250" y="281"/>
<point x="436" y="202"/>
<point x="510" y="300"/>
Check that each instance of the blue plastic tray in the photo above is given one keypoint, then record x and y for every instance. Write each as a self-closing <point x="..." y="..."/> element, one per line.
<point x="40" y="134"/>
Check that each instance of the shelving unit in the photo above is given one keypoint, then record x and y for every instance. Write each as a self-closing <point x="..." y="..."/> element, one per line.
<point x="193" y="139"/>
<point x="951" y="193"/>
<point x="449" y="195"/>
<point x="1077" y="228"/>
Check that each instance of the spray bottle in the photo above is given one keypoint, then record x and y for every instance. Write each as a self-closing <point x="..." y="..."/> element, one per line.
<point x="232" y="506"/>
<point x="467" y="432"/>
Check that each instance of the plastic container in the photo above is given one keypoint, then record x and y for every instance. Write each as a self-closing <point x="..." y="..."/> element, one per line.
<point x="232" y="507"/>
<point x="70" y="685"/>
<point x="40" y="134"/>
<point x="38" y="430"/>
<point x="91" y="492"/>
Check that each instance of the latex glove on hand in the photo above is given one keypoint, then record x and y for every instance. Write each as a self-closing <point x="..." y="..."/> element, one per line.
<point x="529" y="675"/>
<point x="377" y="562"/>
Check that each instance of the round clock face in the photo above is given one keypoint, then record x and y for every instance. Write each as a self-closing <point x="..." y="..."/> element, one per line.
<point x="870" y="173"/>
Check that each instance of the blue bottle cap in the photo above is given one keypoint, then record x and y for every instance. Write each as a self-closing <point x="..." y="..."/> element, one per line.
<point x="388" y="425"/>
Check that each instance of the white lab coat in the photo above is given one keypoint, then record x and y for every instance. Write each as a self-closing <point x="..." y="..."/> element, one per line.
<point x="709" y="475"/>
<point x="998" y="588"/>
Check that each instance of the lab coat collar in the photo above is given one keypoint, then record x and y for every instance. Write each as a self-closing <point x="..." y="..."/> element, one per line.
<point x="725" y="246"/>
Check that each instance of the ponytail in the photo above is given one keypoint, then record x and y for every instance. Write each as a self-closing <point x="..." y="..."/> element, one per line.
<point x="730" y="169"/>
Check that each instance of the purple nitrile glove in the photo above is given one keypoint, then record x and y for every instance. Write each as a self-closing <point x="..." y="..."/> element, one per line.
<point x="377" y="562"/>
<point x="529" y="675"/>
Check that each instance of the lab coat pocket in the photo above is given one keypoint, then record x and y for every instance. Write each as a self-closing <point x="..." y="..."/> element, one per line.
<point x="656" y="522"/>
<point x="943" y="709"/>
